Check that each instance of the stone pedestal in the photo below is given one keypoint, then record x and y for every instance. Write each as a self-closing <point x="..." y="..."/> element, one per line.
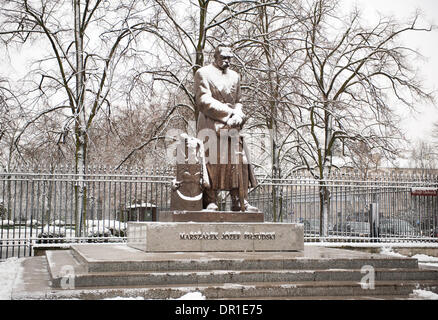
<point x="215" y="237"/>
<point x="210" y="216"/>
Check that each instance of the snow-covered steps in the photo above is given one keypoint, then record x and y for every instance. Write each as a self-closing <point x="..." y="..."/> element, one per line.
<point x="119" y="257"/>
<point x="221" y="276"/>
<point x="345" y="289"/>
<point x="98" y="271"/>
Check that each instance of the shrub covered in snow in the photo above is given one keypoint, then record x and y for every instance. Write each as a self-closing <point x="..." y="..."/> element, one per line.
<point x="59" y="223"/>
<point x="98" y="232"/>
<point x="49" y="232"/>
<point x="3" y="211"/>
<point x="33" y="223"/>
<point x="117" y="228"/>
<point x="7" y="224"/>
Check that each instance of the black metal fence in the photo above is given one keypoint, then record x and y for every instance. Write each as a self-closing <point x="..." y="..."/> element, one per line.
<point x="40" y="207"/>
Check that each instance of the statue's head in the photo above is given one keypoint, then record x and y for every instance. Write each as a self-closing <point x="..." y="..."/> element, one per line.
<point x="222" y="56"/>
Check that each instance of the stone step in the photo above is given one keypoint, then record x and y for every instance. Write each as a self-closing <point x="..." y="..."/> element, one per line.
<point x="241" y="276"/>
<point x="253" y="290"/>
<point x="122" y="258"/>
<point x="63" y="262"/>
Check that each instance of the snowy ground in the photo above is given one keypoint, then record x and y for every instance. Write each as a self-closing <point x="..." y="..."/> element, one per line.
<point x="188" y="296"/>
<point x="422" y="258"/>
<point x="424" y="295"/>
<point x="10" y="274"/>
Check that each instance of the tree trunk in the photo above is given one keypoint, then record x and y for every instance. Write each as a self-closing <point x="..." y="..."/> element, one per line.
<point x="324" y="208"/>
<point x="80" y="125"/>
<point x="199" y="59"/>
<point x="9" y="202"/>
<point x="80" y="187"/>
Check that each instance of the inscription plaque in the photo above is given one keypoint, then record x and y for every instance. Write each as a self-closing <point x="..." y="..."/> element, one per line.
<point x="200" y="237"/>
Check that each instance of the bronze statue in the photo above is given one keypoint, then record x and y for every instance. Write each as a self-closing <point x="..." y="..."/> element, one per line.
<point x="217" y="90"/>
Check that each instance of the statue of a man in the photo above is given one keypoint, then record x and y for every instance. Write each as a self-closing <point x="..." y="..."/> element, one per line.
<point x="217" y="90"/>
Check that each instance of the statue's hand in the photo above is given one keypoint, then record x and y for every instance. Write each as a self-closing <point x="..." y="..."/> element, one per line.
<point x="240" y="114"/>
<point x="235" y="121"/>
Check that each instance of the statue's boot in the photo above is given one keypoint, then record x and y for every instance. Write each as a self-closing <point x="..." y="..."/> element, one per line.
<point x="209" y="199"/>
<point x="235" y="203"/>
<point x="212" y="207"/>
<point x="250" y="208"/>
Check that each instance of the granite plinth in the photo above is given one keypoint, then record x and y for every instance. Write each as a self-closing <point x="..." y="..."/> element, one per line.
<point x="211" y="237"/>
<point x="210" y="216"/>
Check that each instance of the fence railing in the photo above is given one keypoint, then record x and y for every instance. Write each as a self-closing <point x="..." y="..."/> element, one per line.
<point x="40" y="207"/>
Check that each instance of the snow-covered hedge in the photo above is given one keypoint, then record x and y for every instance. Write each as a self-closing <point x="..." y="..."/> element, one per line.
<point x="117" y="228"/>
<point x="49" y="232"/>
<point x="60" y="223"/>
<point x="33" y="223"/>
<point x="7" y="224"/>
<point x="100" y="231"/>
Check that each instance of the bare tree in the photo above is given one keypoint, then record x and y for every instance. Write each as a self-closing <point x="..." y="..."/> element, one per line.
<point x="12" y="116"/>
<point x="363" y="158"/>
<point x="352" y="74"/>
<point x="113" y="142"/>
<point x="184" y="34"/>
<point x="423" y="158"/>
<point x="270" y="51"/>
<point x="85" y="42"/>
<point x="435" y="134"/>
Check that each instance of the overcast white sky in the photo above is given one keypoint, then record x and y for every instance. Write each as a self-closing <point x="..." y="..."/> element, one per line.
<point x="417" y="126"/>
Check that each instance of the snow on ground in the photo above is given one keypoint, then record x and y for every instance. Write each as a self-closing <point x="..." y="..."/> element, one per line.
<point x="425" y="258"/>
<point x="125" y="298"/>
<point x="424" y="295"/>
<point x="188" y="296"/>
<point x="388" y="251"/>
<point x="9" y="275"/>
<point x="422" y="258"/>
<point x="349" y="244"/>
<point x="192" y="296"/>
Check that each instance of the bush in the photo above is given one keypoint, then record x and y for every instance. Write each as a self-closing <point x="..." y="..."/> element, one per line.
<point x="3" y="211"/>
<point x="33" y="223"/>
<point x="117" y="228"/>
<point x="98" y="232"/>
<point x="59" y="223"/>
<point x="50" y="232"/>
<point x="6" y="224"/>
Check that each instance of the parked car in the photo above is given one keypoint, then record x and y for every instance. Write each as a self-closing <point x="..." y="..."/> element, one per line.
<point x="397" y="227"/>
<point x="358" y="229"/>
<point x="341" y="228"/>
<point x="311" y="226"/>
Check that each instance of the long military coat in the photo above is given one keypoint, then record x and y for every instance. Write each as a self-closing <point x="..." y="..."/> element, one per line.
<point x="217" y="95"/>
